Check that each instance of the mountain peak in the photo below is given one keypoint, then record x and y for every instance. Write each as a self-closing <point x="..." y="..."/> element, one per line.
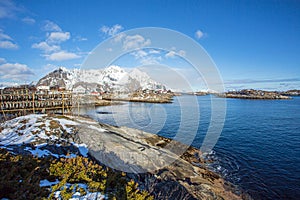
<point x="63" y="69"/>
<point x="112" y="77"/>
<point x="114" y="69"/>
<point x="138" y="73"/>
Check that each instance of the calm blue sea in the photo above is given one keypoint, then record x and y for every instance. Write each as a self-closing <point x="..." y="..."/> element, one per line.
<point x="259" y="147"/>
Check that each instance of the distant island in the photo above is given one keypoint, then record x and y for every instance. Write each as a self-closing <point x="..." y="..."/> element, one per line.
<point x="259" y="94"/>
<point x="248" y="94"/>
<point x="291" y="93"/>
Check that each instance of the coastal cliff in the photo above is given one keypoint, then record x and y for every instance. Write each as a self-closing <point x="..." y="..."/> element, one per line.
<point x="56" y="139"/>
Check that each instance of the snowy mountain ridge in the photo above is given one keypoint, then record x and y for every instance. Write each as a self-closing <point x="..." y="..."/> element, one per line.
<point x="112" y="77"/>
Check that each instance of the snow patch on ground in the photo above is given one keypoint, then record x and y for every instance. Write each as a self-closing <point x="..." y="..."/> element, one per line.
<point x="96" y="128"/>
<point x="42" y="136"/>
<point x="84" y="121"/>
<point x="40" y="153"/>
<point x="87" y="196"/>
<point x="27" y="129"/>
<point x="82" y="149"/>
<point x="39" y="129"/>
<point x="46" y="183"/>
<point x="37" y="151"/>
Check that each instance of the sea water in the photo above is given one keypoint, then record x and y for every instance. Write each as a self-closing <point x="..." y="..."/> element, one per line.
<point x="259" y="146"/>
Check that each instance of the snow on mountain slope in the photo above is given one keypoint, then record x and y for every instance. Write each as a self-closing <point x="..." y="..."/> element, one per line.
<point x="114" y="77"/>
<point x="89" y="76"/>
<point x="144" y="79"/>
<point x="61" y="76"/>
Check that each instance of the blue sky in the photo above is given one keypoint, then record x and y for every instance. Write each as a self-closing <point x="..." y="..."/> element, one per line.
<point x="254" y="44"/>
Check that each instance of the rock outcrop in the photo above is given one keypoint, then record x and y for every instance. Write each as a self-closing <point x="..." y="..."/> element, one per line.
<point x="165" y="168"/>
<point x="154" y="163"/>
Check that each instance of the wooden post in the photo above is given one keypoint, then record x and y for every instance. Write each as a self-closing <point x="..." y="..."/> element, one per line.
<point x="63" y="103"/>
<point x="3" y="113"/>
<point x="70" y="97"/>
<point x="23" y="102"/>
<point x="33" y="103"/>
<point x="69" y="101"/>
<point x="2" y="97"/>
<point x="78" y="105"/>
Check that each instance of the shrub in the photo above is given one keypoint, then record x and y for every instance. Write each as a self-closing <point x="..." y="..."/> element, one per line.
<point x="133" y="193"/>
<point x="77" y="170"/>
<point x="20" y="176"/>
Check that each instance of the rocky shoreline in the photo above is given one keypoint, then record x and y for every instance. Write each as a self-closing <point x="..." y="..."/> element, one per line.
<point x="142" y="96"/>
<point x="141" y="100"/>
<point x="291" y="93"/>
<point x="254" y="94"/>
<point x="185" y="178"/>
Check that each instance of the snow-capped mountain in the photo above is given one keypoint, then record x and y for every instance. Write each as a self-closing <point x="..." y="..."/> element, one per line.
<point x="61" y="77"/>
<point x="145" y="80"/>
<point x="111" y="78"/>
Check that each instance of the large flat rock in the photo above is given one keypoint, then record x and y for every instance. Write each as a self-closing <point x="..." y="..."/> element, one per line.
<point x="167" y="167"/>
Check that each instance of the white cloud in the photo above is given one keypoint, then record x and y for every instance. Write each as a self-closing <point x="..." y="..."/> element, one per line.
<point x="150" y="60"/>
<point x="4" y="36"/>
<point x="173" y="53"/>
<point x="80" y="38"/>
<point x="145" y="57"/>
<point x="15" y="71"/>
<point x="58" y="37"/>
<point x="49" y="67"/>
<point x="53" y="38"/>
<point x="154" y="51"/>
<point x="119" y="37"/>
<point x="28" y="20"/>
<point x="8" y="45"/>
<point x="51" y="45"/>
<point x="4" y="84"/>
<point x="78" y="65"/>
<point x="2" y="60"/>
<point x="62" y="55"/>
<point x="44" y="46"/>
<point x="182" y="53"/>
<point x="170" y="54"/>
<point x="135" y="41"/>
<point x="111" y="31"/>
<point x="199" y="34"/>
<point x="8" y="9"/>
<point x="139" y="54"/>
<point x="6" y="42"/>
<point x="50" y="26"/>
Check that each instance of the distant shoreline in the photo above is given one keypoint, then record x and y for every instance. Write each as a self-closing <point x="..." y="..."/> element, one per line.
<point x="252" y="94"/>
<point x="140" y="100"/>
<point x="256" y="94"/>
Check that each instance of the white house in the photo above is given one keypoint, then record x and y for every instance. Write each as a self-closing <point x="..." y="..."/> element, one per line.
<point x="43" y="87"/>
<point x="79" y="90"/>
